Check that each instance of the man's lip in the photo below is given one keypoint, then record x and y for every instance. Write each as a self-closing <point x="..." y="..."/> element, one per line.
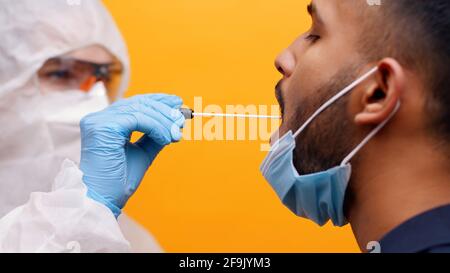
<point x="278" y="86"/>
<point x="278" y="96"/>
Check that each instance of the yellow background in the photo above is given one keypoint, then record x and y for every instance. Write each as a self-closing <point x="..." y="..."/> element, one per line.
<point x="202" y="196"/>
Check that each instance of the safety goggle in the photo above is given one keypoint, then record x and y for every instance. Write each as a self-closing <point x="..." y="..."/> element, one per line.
<point x="65" y="73"/>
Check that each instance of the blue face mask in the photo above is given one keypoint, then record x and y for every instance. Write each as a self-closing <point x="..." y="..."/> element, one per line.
<point x="317" y="196"/>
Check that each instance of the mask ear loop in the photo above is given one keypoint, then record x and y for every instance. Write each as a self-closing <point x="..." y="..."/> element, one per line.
<point x="370" y="136"/>
<point x="335" y="98"/>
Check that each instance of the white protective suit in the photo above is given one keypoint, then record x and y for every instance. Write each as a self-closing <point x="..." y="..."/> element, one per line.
<point x="43" y="203"/>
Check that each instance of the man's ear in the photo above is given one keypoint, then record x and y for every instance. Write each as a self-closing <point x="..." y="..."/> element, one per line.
<point x="382" y="95"/>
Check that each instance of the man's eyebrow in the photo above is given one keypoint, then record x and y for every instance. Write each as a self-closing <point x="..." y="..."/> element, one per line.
<point x="314" y="13"/>
<point x="311" y="9"/>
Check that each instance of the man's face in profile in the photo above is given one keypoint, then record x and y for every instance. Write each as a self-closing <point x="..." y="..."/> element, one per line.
<point x="320" y="63"/>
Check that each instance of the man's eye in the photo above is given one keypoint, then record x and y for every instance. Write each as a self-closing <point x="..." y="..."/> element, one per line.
<point x="312" y="38"/>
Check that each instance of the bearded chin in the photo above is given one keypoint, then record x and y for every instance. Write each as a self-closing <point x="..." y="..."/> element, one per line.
<point x="332" y="135"/>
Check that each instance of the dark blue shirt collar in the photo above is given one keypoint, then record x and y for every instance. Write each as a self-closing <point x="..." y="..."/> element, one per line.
<point x="423" y="233"/>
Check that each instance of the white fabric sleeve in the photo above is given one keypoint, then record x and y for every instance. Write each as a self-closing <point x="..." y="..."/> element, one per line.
<point x="63" y="220"/>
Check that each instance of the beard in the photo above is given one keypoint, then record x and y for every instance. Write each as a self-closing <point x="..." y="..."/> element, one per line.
<point x="332" y="135"/>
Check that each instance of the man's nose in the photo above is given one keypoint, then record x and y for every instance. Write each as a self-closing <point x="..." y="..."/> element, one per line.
<point x="285" y="63"/>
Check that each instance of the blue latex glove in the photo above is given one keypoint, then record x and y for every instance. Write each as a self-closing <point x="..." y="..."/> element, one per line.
<point x="113" y="167"/>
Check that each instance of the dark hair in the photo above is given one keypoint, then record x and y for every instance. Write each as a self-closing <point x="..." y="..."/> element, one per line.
<point x="417" y="34"/>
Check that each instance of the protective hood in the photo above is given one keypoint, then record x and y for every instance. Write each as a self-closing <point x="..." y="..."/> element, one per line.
<point x="31" y="31"/>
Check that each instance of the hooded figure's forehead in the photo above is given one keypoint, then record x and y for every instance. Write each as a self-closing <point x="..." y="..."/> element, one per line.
<point x="34" y="31"/>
